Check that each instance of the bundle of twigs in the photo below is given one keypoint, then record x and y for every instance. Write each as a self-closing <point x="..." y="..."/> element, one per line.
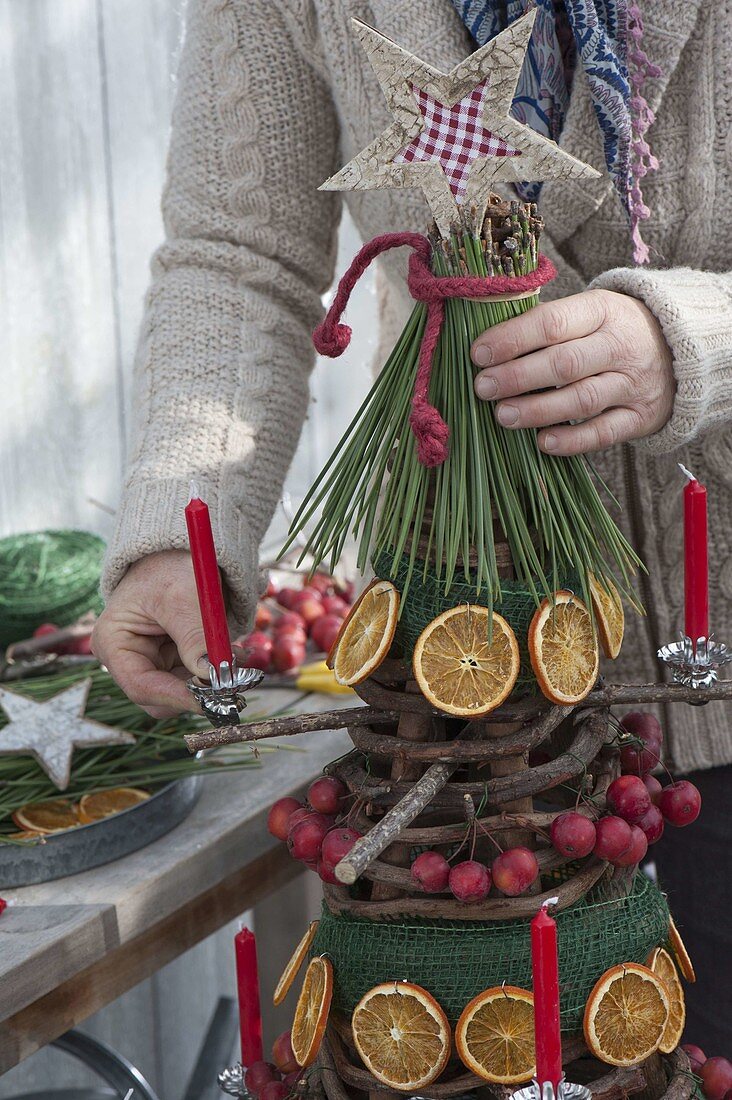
<point x="495" y="485"/>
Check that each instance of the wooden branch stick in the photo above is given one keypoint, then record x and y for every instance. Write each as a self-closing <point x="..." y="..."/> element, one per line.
<point x="611" y="694"/>
<point x="366" y="850"/>
<point x="288" y="727"/>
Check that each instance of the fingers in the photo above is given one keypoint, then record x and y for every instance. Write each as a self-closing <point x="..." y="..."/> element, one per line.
<point x="560" y="365"/>
<point x="543" y="326"/>
<point x="610" y="427"/>
<point x="585" y="399"/>
<point x="134" y="662"/>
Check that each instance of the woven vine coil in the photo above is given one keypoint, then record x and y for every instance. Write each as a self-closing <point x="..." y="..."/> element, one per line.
<point x="427" y="598"/>
<point x="456" y="961"/>
<point x="47" y="576"/>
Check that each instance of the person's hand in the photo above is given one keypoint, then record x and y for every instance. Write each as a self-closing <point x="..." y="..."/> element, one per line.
<point x="599" y="357"/>
<point x="150" y="635"/>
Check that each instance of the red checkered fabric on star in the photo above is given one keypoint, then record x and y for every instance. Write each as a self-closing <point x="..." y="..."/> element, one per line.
<point x="454" y="137"/>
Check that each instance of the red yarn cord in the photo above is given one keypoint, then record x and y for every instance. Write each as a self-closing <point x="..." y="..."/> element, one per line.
<point x="332" y="338"/>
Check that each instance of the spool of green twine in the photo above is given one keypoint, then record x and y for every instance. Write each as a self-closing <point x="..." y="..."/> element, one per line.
<point x="47" y="576"/>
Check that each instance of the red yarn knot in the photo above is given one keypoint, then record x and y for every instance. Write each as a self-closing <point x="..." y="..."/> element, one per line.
<point x="430" y="431"/>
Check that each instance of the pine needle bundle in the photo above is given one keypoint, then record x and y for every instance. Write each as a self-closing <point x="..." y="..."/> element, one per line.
<point x="495" y="485"/>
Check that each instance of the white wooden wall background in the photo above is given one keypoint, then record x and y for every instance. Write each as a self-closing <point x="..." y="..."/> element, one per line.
<point x="86" y="90"/>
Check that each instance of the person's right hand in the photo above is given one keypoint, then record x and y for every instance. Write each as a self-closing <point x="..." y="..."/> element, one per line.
<point x="150" y="635"/>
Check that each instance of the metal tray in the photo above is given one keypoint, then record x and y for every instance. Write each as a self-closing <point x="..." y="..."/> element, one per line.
<point x="101" y="842"/>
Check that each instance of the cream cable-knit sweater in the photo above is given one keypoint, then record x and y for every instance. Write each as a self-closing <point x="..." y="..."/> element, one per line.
<point x="275" y="95"/>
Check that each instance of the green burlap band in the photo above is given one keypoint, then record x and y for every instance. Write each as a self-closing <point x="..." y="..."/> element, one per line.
<point x="427" y="598"/>
<point x="456" y="961"/>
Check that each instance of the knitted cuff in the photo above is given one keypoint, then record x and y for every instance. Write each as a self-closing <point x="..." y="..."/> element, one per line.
<point x="151" y="518"/>
<point x="694" y="310"/>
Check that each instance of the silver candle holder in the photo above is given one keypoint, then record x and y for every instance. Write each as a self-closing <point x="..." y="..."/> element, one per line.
<point x="697" y="665"/>
<point x="567" y="1090"/>
<point x="231" y="1080"/>
<point x="223" y="698"/>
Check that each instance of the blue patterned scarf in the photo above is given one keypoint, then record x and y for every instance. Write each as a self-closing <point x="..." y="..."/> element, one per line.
<point x="604" y="36"/>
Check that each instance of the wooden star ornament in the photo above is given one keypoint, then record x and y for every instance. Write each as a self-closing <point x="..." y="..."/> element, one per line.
<point x="51" y="731"/>
<point x="452" y="133"/>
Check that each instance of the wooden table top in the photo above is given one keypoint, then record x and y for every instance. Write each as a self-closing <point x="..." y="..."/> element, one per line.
<point x="71" y="946"/>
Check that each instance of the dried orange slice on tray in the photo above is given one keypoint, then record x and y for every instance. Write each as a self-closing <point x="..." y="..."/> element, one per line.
<point x="626" y="1015"/>
<point x="402" y="1035"/>
<point x="293" y="966"/>
<point x="101" y="804"/>
<point x="661" y="963"/>
<point x="683" y="961"/>
<point x="311" y="1013"/>
<point x="366" y="634"/>
<point x="563" y="649"/>
<point x="495" y="1035"/>
<point x="466" y="661"/>
<point x="609" y="615"/>
<point x="52" y="816"/>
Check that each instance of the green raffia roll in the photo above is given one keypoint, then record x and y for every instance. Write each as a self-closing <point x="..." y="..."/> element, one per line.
<point x="47" y="576"/>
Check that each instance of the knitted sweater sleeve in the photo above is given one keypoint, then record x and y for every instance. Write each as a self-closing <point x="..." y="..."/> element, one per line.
<point x="694" y="310"/>
<point x="221" y="375"/>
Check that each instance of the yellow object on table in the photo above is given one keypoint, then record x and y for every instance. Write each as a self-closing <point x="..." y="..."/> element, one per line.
<point x="313" y="677"/>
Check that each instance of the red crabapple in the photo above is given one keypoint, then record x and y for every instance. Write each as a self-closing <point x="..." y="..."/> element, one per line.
<point x="258" y="1075"/>
<point x="326" y="794"/>
<point x="637" y="850"/>
<point x="652" y="824"/>
<point x="337" y="844"/>
<point x="680" y="803"/>
<point x="335" y="605"/>
<point x="288" y="652"/>
<point x="432" y="871"/>
<point x="573" y="835"/>
<point x="696" y="1056"/>
<point x="306" y="839"/>
<point x="653" y="787"/>
<point x="290" y="620"/>
<point x="470" y="881"/>
<point x="324" y="631"/>
<point x="514" y="871"/>
<point x="282" y="1054"/>
<point x="628" y="797"/>
<point x="279" y="816"/>
<point x="716" y="1075"/>
<point x="642" y="724"/>
<point x="274" y="1090"/>
<point x="613" y="838"/>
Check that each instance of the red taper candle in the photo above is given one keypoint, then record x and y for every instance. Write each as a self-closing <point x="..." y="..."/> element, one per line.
<point x="696" y="559"/>
<point x="247" y="987"/>
<point x="545" y="967"/>
<point x="208" y="580"/>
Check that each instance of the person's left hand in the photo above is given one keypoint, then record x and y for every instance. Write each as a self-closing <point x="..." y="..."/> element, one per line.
<point x="598" y="357"/>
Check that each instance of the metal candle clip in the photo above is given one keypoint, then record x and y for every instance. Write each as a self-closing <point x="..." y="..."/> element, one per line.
<point x="695" y="666"/>
<point x="567" y="1091"/>
<point x="231" y="1080"/>
<point x="222" y="698"/>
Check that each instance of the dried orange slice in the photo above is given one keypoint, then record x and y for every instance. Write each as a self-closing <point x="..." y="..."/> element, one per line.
<point x="293" y="967"/>
<point x="311" y="1013"/>
<point x="366" y="635"/>
<point x="463" y="668"/>
<point x="609" y="615"/>
<point x="495" y="1035"/>
<point x="402" y="1035"/>
<point x="101" y="804"/>
<point x="661" y="963"/>
<point x="683" y="961"/>
<point x="52" y="816"/>
<point x="626" y="1015"/>
<point x="563" y="649"/>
